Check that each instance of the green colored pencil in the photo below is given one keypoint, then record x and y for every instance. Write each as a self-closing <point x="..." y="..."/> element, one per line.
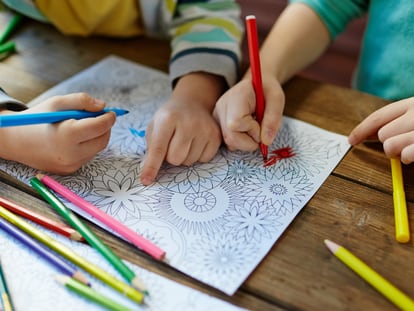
<point x="7" y="47"/>
<point x="5" y="294"/>
<point x="70" y="255"/>
<point x="10" y="27"/>
<point x="90" y="294"/>
<point x="88" y="234"/>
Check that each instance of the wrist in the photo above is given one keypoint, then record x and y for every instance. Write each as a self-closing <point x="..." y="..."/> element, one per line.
<point x="200" y="88"/>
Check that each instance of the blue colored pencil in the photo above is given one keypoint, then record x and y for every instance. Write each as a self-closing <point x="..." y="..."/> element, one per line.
<point x="18" y="119"/>
<point x="72" y="256"/>
<point x="55" y="260"/>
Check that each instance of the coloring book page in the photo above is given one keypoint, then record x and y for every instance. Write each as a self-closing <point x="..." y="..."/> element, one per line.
<point x="216" y="220"/>
<point x="32" y="285"/>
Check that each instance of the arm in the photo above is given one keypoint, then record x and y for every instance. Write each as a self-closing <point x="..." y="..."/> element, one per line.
<point x="393" y="126"/>
<point x="204" y="62"/>
<point x="62" y="147"/>
<point x="297" y="39"/>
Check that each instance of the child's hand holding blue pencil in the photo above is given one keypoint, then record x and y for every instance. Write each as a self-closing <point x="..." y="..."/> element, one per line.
<point x="22" y="118"/>
<point x="70" y="144"/>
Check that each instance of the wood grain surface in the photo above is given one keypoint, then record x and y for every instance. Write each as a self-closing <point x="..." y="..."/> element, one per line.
<point x="353" y="207"/>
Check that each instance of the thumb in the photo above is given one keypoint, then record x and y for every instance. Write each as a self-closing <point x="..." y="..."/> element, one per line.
<point x="272" y="121"/>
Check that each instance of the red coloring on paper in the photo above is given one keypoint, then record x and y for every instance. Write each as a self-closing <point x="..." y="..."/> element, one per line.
<point x="278" y="154"/>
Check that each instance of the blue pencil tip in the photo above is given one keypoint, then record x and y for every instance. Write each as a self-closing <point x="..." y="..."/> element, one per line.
<point x="135" y="132"/>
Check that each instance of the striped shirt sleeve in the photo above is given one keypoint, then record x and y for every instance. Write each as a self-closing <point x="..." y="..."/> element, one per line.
<point x="205" y="36"/>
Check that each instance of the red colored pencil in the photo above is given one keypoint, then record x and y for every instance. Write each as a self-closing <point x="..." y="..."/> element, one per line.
<point x="253" y="44"/>
<point x="42" y="220"/>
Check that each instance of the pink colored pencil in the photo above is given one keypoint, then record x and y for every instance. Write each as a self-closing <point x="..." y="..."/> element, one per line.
<point x="106" y="219"/>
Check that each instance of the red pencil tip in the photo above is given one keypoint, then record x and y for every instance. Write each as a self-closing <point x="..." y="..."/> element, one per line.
<point x="263" y="149"/>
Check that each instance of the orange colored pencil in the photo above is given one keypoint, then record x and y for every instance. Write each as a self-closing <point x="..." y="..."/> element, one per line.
<point x="42" y="220"/>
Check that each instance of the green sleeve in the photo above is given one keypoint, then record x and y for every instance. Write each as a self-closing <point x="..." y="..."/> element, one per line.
<point x="336" y="14"/>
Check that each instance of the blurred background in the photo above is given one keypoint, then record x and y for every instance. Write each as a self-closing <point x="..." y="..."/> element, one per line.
<point x="335" y="66"/>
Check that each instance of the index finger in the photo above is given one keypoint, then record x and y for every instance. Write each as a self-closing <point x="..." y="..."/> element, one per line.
<point x="371" y="124"/>
<point x="158" y="142"/>
<point x="73" y="101"/>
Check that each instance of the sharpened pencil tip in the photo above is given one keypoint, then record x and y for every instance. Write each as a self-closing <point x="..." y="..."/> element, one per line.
<point x="76" y="236"/>
<point x="137" y="284"/>
<point x="119" y="111"/>
<point x="81" y="278"/>
<point x="333" y="247"/>
<point x="62" y="279"/>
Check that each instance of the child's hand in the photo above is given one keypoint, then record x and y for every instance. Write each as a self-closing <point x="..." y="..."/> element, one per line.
<point x="62" y="147"/>
<point x="235" y="113"/>
<point x="394" y="127"/>
<point x="183" y="131"/>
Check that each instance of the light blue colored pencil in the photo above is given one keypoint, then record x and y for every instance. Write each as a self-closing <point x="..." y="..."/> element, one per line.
<point x="22" y="118"/>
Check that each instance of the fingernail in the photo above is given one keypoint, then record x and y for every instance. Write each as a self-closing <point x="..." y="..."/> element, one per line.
<point x="268" y="137"/>
<point x="99" y="102"/>
<point x="146" y="181"/>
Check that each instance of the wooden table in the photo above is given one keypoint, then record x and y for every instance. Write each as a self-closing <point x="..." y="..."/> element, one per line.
<point x="353" y="207"/>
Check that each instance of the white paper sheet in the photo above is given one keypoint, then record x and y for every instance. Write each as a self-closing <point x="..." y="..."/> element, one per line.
<point x="32" y="284"/>
<point x="217" y="220"/>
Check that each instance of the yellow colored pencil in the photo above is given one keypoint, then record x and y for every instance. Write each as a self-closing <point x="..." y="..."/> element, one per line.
<point x="369" y="275"/>
<point x="402" y="229"/>
<point x="66" y="252"/>
<point x="5" y="294"/>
